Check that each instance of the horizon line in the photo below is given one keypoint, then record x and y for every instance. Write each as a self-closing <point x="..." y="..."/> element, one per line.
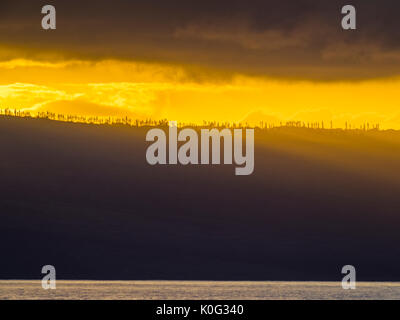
<point x="149" y="122"/>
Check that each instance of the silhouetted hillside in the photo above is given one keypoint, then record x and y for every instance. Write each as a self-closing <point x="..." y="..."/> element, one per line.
<point x="83" y="198"/>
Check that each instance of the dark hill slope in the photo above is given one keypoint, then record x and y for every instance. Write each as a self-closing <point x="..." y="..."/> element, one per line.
<point x="82" y="198"/>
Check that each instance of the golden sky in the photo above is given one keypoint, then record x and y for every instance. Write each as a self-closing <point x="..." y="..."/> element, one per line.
<point x="157" y="91"/>
<point x="211" y="60"/>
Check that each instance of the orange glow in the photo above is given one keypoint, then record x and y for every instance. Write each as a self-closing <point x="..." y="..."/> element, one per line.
<point x="157" y="91"/>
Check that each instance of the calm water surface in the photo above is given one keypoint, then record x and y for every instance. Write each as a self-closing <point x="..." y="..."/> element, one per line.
<point x="164" y="290"/>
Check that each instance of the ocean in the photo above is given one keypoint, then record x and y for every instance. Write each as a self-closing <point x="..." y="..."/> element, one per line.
<point x="196" y="290"/>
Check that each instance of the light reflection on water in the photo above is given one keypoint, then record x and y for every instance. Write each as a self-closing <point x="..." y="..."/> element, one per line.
<point x="193" y="290"/>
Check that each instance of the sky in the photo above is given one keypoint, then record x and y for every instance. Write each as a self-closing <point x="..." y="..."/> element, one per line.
<point x="190" y="61"/>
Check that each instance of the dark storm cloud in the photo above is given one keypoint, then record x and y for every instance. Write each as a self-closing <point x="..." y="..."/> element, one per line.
<point x="295" y="39"/>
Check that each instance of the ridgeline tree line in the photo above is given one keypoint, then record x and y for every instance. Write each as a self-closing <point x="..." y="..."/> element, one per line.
<point x="164" y="122"/>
